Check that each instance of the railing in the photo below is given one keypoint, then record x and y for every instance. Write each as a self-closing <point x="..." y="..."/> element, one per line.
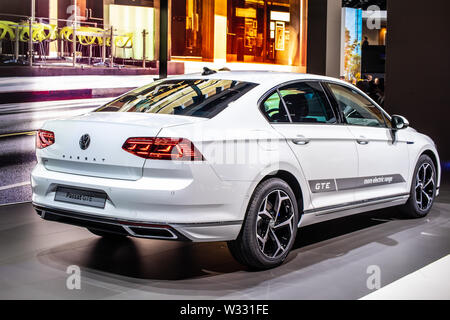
<point x="25" y="41"/>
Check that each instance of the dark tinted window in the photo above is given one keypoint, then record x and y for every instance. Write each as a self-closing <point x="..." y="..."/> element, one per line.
<point x="357" y="109"/>
<point x="274" y="110"/>
<point x="306" y="102"/>
<point x="198" y="98"/>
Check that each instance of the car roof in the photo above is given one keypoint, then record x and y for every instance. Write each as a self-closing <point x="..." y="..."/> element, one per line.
<point x="260" y="77"/>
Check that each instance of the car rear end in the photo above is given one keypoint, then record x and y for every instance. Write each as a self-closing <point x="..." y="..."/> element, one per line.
<point x="111" y="170"/>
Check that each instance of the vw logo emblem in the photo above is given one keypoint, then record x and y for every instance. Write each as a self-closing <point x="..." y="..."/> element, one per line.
<point x="85" y="140"/>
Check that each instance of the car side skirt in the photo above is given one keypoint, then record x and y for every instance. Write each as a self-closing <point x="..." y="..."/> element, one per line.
<point x="338" y="211"/>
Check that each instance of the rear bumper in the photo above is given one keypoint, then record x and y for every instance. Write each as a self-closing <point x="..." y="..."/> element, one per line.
<point x="196" y="208"/>
<point x="198" y="232"/>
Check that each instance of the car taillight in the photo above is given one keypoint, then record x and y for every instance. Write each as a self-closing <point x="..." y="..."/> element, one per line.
<point x="163" y="149"/>
<point x="44" y="139"/>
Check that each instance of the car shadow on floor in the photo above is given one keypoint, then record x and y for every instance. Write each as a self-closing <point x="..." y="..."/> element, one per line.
<point x="137" y="261"/>
<point x="317" y="233"/>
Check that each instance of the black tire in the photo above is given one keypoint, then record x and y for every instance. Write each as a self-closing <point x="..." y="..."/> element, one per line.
<point x="414" y="208"/>
<point x="248" y="249"/>
<point x="107" y="235"/>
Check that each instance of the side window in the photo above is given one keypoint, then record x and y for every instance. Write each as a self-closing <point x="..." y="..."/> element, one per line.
<point x="274" y="110"/>
<point x="357" y="110"/>
<point x="388" y="122"/>
<point x="307" y="103"/>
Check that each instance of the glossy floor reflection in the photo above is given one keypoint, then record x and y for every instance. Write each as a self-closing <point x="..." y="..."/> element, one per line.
<point x="329" y="260"/>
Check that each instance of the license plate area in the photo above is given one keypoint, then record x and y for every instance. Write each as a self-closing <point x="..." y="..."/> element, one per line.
<point x="82" y="197"/>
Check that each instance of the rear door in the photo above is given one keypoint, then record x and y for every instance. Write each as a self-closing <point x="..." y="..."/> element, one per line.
<point x="325" y="150"/>
<point x="383" y="161"/>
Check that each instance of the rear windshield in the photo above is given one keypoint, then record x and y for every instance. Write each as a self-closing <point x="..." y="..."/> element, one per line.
<point x="197" y="98"/>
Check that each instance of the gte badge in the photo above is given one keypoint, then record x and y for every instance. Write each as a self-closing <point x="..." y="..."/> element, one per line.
<point x="318" y="186"/>
<point x="85" y="140"/>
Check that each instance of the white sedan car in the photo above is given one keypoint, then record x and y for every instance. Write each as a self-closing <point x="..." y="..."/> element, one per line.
<point x="243" y="157"/>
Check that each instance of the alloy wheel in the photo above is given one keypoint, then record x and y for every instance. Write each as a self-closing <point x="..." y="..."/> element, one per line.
<point x="275" y="224"/>
<point x="424" y="189"/>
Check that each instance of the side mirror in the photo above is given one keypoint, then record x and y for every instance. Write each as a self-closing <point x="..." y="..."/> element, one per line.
<point x="399" y="122"/>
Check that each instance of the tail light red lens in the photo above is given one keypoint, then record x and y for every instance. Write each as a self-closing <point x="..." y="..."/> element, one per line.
<point x="44" y="139"/>
<point x="163" y="149"/>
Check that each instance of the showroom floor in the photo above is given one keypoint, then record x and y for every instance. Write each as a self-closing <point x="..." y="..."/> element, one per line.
<point x="329" y="261"/>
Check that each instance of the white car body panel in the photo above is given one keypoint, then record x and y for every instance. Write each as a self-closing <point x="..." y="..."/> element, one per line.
<point x="323" y="157"/>
<point x="207" y="200"/>
<point x="380" y="157"/>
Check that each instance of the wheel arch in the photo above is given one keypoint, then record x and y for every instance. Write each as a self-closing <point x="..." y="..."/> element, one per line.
<point x="292" y="181"/>
<point x="287" y="177"/>
<point x="434" y="158"/>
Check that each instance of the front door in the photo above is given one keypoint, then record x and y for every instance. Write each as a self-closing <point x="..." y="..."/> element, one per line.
<point x="383" y="165"/>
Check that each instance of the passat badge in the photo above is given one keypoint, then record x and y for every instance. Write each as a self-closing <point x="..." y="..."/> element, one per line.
<point x="85" y="140"/>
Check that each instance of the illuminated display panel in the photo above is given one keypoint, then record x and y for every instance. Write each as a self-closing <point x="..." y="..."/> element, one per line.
<point x="254" y="31"/>
<point x="351" y="43"/>
<point x="261" y="31"/>
<point x="134" y="20"/>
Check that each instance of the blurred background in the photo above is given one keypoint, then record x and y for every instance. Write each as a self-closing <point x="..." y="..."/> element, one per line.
<point x="65" y="57"/>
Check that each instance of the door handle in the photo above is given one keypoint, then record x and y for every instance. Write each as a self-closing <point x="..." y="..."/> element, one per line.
<point x="362" y="140"/>
<point x="300" y="140"/>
